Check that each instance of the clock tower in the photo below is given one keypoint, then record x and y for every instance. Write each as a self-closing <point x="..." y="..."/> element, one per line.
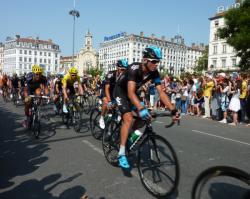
<point x="88" y="40"/>
<point x="87" y="57"/>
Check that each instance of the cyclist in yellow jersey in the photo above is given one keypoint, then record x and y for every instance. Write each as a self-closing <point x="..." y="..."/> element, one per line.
<point x="68" y="86"/>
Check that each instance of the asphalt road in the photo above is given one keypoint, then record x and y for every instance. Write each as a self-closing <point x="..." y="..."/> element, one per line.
<point x="66" y="164"/>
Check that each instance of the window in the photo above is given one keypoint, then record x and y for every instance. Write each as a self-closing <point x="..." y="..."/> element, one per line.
<point x="216" y="23"/>
<point x="41" y="53"/>
<point x="215" y="37"/>
<point x="30" y="52"/>
<point x="56" y="55"/>
<point x="214" y="63"/>
<point x="223" y="63"/>
<point x="20" y="59"/>
<point x="35" y="60"/>
<point x="21" y="52"/>
<point x="49" y="54"/>
<point x="25" y="59"/>
<point x="35" y="52"/>
<point x="215" y="49"/>
<point x="41" y="60"/>
<point x="224" y="48"/>
<point x="25" y="52"/>
<point x="49" y="61"/>
<point x="45" y="61"/>
<point x="233" y="62"/>
<point x="29" y="59"/>
<point x="45" y="54"/>
<point x="20" y="66"/>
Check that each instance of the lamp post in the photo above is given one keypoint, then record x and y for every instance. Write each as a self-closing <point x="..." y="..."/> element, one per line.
<point x="75" y="14"/>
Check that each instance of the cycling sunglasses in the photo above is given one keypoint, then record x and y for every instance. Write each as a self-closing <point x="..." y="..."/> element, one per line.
<point x="154" y="61"/>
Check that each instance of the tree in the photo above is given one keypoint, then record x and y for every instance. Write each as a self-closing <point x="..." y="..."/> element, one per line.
<point x="94" y="71"/>
<point x="202" y="62"/>
<point x="237" y="32"/>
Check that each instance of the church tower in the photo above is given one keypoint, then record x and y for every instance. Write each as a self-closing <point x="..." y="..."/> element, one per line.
<point x="88" y="40"/>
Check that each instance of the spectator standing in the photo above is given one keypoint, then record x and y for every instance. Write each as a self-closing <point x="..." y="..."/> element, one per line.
<point x="243" y="96"/>
<point x="184" y="97"/>
<point x="208" y="87"/>
<point x="234" y="104"/>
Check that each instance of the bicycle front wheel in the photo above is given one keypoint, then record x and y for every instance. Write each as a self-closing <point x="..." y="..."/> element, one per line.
<point x="95" y="128"/>
<point x="158" y="166"/>
<point x="222" y="182"/>
<point x="111" y="142"/>
<point x="36" y="126"/>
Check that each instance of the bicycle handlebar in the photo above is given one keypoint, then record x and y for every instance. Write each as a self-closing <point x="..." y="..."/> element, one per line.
<point x="155" y="114"/>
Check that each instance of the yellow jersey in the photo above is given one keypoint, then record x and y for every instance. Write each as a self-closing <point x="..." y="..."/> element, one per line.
<point x="68" y="81"/>
<point x="244" y="90"/>
<point x="208" y="89"/>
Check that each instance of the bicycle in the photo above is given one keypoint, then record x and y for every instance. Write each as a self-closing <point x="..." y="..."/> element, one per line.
<point x="35" y="115"/>
<point x="210" y="181"/>
<point x="59" y="104"/>
<point x="95" y="115"/>
<point x="151" y="149"/>
<point x="74" y="115"/>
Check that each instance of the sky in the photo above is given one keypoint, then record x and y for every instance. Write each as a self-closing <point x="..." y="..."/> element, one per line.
<point x="50" y="19"/>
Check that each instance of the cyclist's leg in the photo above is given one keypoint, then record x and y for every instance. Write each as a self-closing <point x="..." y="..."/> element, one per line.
<point x="104" y="110"/>
<point x="125" y="108"/>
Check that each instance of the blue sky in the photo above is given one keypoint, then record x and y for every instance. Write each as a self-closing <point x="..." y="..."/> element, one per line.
<point x="50" y="19"/>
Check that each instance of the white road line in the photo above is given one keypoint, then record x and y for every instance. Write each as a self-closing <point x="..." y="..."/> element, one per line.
<point x="245" y="143"/>
<point x="93" y="147"/>
<point x="159" y="122"/>
<point x="133" y="172"/>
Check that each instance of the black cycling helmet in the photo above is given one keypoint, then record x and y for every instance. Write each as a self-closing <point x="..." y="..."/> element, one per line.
<point x="152" y="52"/>
<point x="123" y="63"/>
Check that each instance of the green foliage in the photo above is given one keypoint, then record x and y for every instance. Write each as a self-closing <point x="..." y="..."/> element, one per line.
<point x="237" y="32"/>
<point x="202" y="62"/>
<point x="94" y="71"/>
<point x="163" y="72"/>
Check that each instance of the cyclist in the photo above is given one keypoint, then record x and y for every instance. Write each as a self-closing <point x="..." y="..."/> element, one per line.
<point x="108" y="88"/>
<point x="57" y="89"/>
<point x="68" y="86"/>
<point x="126" y="95"/>
<point x="15" y="84"/>
<point x="36" y="85"/>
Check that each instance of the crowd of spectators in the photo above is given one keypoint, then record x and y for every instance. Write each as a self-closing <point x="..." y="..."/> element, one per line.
<point x="224" y="97"/>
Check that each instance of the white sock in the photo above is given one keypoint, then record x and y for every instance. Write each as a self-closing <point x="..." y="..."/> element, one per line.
<point x="122" y="150"/>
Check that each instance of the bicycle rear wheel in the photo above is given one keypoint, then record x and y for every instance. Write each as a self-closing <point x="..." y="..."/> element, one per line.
<point x="77" y="118"/>
<point x="111" y="142"/>
<point x="158" y="166"/>
<point x="222" y="182"/>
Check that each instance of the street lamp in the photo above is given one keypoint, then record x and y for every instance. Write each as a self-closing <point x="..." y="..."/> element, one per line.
<point x="75" y="14"/>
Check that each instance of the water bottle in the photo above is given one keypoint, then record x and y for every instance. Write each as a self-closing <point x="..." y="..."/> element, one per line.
<point x="135" y="136"/>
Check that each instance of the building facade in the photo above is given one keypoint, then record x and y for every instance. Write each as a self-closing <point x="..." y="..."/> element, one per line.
<point x="21" y="53"/>
<point x="65" y="63"/>
<point x="221" y="55"/>
<point x="87" y="57"/>
<point x="1" y="56"/>
<point x="177" y="57"/>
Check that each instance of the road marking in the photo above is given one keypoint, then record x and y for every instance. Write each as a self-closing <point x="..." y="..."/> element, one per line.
<point x="133" y="172"/>
<point x="245" y="143"/>
<point x="159" y="122"/>
<point x="93" y="147"/>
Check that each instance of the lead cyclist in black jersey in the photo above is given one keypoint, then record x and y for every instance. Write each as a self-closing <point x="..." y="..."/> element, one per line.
<point x="126" y="95"/>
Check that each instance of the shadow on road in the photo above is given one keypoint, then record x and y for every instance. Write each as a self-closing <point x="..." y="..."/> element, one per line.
<point x="17" y="158"/>
<point x="34" y="188"/>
